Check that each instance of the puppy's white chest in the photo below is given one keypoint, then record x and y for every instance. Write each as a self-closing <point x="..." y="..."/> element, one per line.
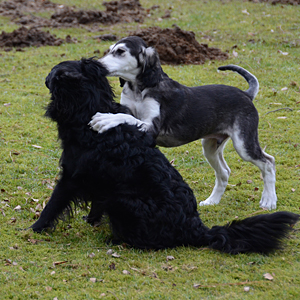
<point x="131" y="99"/>
<point x="143" y="108"/>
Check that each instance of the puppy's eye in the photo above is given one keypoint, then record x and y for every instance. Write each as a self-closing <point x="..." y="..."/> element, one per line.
<point x="120" y="51"/>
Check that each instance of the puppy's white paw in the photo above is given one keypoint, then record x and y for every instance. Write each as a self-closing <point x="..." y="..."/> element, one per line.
<point x="102" y="122"/>
<point x="268" y="202"/>
<point x="209" y="201"/>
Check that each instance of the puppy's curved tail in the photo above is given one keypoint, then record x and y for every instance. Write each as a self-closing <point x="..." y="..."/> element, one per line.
<point x="260" y="234"/>
<point x="251" y="79"/>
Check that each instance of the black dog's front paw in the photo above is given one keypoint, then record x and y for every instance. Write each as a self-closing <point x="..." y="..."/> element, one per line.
<point x="93" y="221"/>
<point x="39" y="228"/>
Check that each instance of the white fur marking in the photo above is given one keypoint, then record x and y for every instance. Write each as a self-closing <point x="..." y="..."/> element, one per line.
<point x="147" y="110"/>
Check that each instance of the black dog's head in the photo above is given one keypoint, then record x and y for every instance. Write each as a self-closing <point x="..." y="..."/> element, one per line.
<point x="78" y="87"/>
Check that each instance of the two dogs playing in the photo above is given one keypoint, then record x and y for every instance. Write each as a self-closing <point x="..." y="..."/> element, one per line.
<point x="121" y="173"/>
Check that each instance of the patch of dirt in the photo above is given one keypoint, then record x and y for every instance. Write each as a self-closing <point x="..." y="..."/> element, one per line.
<point x="22" y="12"/>
<point x="274" y="2"/>
<point x="176" y="46"/>
<point x="24" y="37"/>
<point x="15" y="7"/>
<point x="116" y="12"/>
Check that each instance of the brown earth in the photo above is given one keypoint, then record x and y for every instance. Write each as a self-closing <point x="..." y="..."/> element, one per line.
<point x="13" y="7"/>
<point x="176" y="46"/>
<point x="24" y="37"/>
<point x="22" y="12"/>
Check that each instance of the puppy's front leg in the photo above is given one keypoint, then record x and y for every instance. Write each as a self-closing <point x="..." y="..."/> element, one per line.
<point x="103" y="122"/>
<point x="61" y="198"/>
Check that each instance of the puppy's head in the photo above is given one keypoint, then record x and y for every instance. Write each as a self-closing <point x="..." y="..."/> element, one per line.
<point x="76" y="85"/>
<point x="129" y="58"/>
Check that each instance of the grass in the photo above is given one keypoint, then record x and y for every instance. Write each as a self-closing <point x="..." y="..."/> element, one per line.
<point x="60" y="264"/>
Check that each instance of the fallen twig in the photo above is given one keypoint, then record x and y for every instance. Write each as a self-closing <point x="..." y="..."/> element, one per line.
<point x="283" y="108"/>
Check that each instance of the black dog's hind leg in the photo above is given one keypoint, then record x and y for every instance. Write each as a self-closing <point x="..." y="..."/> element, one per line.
<point x="95" y="215"/>
<point x="64" y="193"/>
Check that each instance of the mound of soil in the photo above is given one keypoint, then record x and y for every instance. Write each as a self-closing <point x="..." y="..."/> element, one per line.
<point x="176" y="46"/>
<point x="24" y="37"/>
<point x="274" y="2"/>
<point x="13" y="7"/>
<point x="116" y="12"/>
<point x="22" y="12"/>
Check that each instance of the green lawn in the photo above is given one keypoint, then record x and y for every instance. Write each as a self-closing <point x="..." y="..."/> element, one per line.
<point x="72" y="262"/>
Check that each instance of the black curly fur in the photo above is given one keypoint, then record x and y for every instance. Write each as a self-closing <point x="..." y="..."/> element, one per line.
<point x="122" y="173"/>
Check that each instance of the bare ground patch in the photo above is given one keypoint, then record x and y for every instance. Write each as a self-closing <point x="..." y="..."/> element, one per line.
<point x="177" y="46"/>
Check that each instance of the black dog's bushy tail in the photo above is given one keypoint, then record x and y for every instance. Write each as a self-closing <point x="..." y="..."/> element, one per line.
<point x="261" y="234"/>
<point x="251" y="79"/>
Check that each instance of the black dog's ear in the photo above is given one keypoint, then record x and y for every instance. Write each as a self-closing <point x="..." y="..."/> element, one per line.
<point x="151" y="68"/>
<point x="96" y="73"/>
<point x="93" y="68"/>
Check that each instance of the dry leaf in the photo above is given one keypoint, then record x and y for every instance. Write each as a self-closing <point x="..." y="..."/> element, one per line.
<point x="115" y="255"/>
<point x="52" y="273"/>
<point x="283" y="53"/>
<point x="235" y="54"/>
<point x="39" y="207"/>
<point x="18" y="207"/>
<point x="109" y="252"/>
<point x="36" y="146"/>
<point x="170" y="257"/>
<point x="244" y="11"/>
<point x="92" y="255"/>
<point x="249" y="181"/>
<point x="268" y="276"/>
<point x="125" y="272"/>
<point x="48" y="288"/>
<point x="93" y="279"/>
<point x="112" y="266"/>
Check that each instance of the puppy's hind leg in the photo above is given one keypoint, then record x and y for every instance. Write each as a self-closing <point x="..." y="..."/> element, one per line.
<point x="249" y="150"/>
<point x="213" y="151"/>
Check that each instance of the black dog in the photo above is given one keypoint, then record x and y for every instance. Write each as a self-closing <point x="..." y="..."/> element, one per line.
<point x="123" y="175"/>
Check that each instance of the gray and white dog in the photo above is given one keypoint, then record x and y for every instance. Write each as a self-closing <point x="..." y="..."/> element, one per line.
<point x="176" y="114"/>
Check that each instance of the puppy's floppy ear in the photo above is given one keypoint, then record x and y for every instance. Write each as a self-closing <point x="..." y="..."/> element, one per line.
<point x="148" y="57"/>
<point x="149" y="60"/>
